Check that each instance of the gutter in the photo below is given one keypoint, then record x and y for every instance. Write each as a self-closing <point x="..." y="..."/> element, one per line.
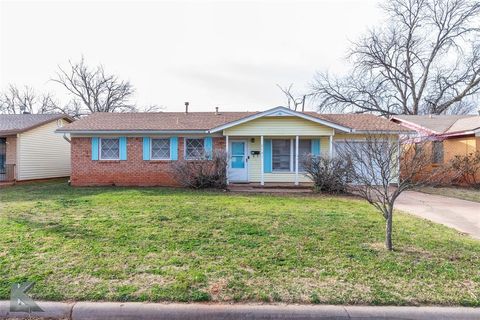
<point x="86" y="132"/>
<point x="383" y="132"/>
<point x="131" y="131"/>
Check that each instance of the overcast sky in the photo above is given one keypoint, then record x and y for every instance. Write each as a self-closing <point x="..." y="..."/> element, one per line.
<point x="226" y="54"/>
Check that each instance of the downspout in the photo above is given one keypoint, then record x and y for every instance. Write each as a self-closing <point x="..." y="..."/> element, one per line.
<point x="66" y="138"/>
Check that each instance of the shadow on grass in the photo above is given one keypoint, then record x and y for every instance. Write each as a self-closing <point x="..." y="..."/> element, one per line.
<point x="59" y="188"/>
<point x="57" y="228"/>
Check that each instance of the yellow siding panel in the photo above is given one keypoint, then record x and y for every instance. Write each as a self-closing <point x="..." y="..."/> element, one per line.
<point x="279" y="126"/>
<point x="42" y="153"/>
<point x="458" y="146"/>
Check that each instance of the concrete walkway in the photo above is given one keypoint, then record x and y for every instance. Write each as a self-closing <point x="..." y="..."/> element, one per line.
<point x="455" y="213"/>
<point x="140" y="311"/>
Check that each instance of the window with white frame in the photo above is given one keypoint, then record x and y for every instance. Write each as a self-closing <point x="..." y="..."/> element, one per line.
<point x="110" y="148"/>
<point x="160" y="149"/>
<point x="283" y="154"/>
<point x="194" y="148"/>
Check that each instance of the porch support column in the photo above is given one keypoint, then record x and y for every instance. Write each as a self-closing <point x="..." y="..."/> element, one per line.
<point x="296" y="160"/>
<point x="228" y="157"/>
<point x="262" y="182"/>
<point x="330" y="151"/>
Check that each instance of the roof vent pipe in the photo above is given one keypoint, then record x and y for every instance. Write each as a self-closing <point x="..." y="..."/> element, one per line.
<point x="186" y="107"/>
<point x="216" y="110"/>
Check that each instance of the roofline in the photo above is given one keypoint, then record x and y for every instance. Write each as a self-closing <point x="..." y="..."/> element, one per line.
<point x="457" y="134"/>
<point x="36" y="125"/>
<point x="286" y="110"/>
<point x="441" y="134"/>
<point x="129" y="131"/>
<point x="383" y="132"/>
<point x="413" y="124"/>
<point x="8" y="133"/>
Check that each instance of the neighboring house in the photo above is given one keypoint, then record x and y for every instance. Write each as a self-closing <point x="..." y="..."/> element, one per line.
<point x="30" y="148"/>
<point x="139" y="148"/>
<point x="451" y="135"/>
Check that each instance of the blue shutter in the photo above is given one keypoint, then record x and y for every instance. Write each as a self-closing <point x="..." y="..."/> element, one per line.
<point x="267" y="155"/>
<point x="316" y="147"/>
<point x="208" y="145"/>
<point x="174" y="148"/>
<point x="146" y="148"/>
<point x="95" y="148"/>
<point x="123" y="148"/>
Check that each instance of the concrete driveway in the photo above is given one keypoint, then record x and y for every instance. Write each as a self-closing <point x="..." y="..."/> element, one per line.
<point x="455" y="213"/>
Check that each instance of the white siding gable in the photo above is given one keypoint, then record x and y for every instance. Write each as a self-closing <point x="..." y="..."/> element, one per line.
<point x="42" y="153"/>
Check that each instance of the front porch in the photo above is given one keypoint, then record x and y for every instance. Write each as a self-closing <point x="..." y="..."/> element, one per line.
<point x="273" y="161"/>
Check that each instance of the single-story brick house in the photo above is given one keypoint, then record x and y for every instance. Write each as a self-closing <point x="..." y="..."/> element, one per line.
<point x="139" y="148"/>
<point x="30" y="149"/>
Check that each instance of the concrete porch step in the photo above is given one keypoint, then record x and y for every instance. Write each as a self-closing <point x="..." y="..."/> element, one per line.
<point x="270" y="188"/>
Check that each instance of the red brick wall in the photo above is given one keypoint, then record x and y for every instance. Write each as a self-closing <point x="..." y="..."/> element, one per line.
<point x="132" y="172"/>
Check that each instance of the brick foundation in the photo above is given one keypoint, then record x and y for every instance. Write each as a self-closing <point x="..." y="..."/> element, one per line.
<point x="132" y="172"/>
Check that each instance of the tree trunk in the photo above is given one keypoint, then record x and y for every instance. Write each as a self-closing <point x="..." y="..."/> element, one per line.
<point x="388" y="233"/>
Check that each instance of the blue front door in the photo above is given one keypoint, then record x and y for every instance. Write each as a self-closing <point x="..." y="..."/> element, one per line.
<point x="238" y="166"/>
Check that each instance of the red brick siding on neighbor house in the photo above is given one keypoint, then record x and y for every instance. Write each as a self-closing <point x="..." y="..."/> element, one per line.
<point x="131" y="172"/>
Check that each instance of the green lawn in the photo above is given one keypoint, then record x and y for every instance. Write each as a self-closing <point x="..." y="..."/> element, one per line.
<point x="460" y="193"/>
<point x="153" y="244"/>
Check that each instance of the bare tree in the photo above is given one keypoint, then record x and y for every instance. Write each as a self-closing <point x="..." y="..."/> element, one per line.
<point x="152" y="108"/>
<point x="293" y="102"/>
<point x="94" y="89"/>
<point x="426" y="59"/>
<point x="25" y="100"/>
<point x="382" y="168"/>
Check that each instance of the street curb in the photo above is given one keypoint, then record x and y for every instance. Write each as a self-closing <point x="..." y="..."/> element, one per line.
<point x="177" y="311"/>
<point x="51" y="310"/>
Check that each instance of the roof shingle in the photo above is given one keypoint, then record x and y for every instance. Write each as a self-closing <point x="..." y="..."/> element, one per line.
<point x="17" y="123"/>
<point x="361" y="122"/>
<point x="442" y="123"/>
<point x="180" y="121"/>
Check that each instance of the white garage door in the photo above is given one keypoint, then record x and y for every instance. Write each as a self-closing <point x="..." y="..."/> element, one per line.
<point x="372" y="170"/>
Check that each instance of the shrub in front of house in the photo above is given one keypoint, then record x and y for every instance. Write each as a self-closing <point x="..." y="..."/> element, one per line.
<point x="205" y="171"/>
<point x="467" y="168"/>
<point x="329" y="175"/>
